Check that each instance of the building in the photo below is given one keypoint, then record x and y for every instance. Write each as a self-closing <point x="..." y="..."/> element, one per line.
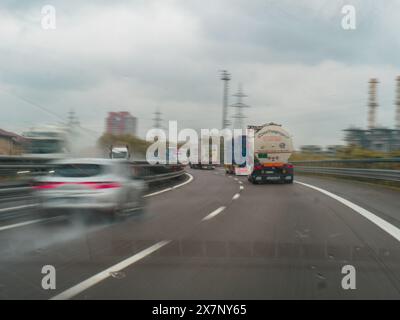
<point x="333" y="150"/>
<point x="376" y="139"/>
<point x="11" y="143"/>
<point x="119" y="123"/>
<point x="311" y="149"/>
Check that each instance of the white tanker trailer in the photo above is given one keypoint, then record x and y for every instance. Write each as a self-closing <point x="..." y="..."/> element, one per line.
<point x="272" y="148"/>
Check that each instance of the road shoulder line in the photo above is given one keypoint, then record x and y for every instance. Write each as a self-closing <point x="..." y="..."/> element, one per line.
<point x="383" y="224"/>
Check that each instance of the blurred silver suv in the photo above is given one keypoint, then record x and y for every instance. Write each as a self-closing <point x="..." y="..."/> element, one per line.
<point x="101" y="184"/>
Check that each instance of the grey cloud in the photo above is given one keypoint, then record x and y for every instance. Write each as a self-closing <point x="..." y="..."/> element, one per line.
<point x="141" y="55"/>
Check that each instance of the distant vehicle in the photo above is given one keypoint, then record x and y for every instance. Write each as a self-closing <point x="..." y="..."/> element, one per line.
<point x="272" y="149"/>
<point x="54" y="141"/>
<point x="204" y="162"/>
<point x="238" y="167"/>
<point x="98" y="184"/>
<point x="47" y="141"/>
<point x="120" y="153"/>
<point x="204" y="166"/>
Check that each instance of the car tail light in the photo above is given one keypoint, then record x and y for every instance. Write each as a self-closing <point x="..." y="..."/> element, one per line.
<point x="47" y="185"/>
<point x="289" y="166"/>
<point x="94" y="185"/>
<point x="258" y="167"/>
<point x="102" y="185"/>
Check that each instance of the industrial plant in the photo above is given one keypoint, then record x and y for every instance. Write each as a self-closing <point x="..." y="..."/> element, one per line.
<point x="375" y="137"/>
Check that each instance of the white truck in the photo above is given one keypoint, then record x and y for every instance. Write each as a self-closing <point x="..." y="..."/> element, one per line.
<point x="47" y="141"/>
<point x="120" y="152"/>
<point x="272" y="148"/>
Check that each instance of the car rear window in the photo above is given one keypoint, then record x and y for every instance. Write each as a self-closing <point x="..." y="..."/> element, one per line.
<point x="78" y="170"/>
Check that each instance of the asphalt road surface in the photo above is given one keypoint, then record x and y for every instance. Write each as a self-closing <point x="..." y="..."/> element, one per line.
<point x="216" y="237"/>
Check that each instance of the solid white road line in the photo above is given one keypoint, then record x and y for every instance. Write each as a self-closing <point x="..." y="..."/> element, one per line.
<point x="158" y="192"/>
<point x="213" y="214"/>
<point x="171" y="188"/>
<point x="18" y="207"/>
<point x="383" y="224"/>
<point x="186" y="182"/>
<point x="21" y="224"/>
<point x="84" y="285"/>
<point x="237" y="195"/>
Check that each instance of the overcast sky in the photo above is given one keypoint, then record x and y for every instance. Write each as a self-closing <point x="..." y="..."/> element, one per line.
<point x="297" y="64"/>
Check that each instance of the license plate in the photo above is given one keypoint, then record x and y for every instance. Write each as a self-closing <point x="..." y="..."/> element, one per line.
<point x="268" y="172"/>
<point x="273" y="178"/>
<point x="258" y="178"/>
<point x="64" y="200"/>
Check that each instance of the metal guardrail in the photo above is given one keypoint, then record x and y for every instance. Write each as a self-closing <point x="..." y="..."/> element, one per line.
<point x="331" y="161"/>
<point x="163" y="177"/>
<point x="385" y="169"/>
<point x="379" y="174"/>
<point x="14" y="166"/>
<point x="369" y="163"/>
<point x="157" y="172"/>
<point x="17" y="166"/>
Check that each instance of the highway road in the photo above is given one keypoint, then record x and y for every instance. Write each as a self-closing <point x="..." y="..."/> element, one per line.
<point x="215" y="237"/>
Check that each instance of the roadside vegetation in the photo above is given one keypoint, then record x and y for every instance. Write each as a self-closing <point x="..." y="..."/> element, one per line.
<point x="349" y="157"/>
<point x="136" y="145"/>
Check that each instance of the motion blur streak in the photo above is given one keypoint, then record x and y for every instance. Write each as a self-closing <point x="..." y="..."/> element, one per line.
<point x="21" y="224"/>
<point x="276" y="241"/>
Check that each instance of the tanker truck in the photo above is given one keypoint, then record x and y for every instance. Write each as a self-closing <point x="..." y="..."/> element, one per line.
<point x="272" y="148"/>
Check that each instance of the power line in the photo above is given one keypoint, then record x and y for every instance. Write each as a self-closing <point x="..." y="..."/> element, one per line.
<point x="157" y="119"/>
<point x="39" y="106"/>
<point x="239" y="105"/>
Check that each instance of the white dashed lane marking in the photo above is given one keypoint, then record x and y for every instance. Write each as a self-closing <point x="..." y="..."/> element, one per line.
<point x="213" y="214"/>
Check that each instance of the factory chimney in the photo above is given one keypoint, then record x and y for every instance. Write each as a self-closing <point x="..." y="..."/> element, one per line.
<point x="372" y="103"/>
<point x="397" y="103"/>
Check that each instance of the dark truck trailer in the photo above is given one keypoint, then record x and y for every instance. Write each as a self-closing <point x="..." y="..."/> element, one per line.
<point x="283" y="173"/>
